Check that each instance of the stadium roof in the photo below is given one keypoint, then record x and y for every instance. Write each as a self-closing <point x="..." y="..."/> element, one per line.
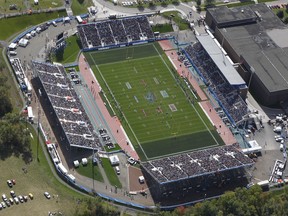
<point x="263" y="45"/>
<point x="199" y="163"/>
<point x="220" y="59"/>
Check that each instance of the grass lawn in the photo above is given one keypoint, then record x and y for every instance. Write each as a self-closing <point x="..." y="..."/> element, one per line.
<point x="80" y="6"/>
<point x="154" y="110"/>
<point x="117" y="147"/>
<point x="4" y="6"/>
<point x="162" y="28"/>
<point x="231" y="5"/>
<point x="71" y="51"/>
<point x="110" y="173"/>
<point x="76" y="68"/>
<point x="37" y="180"/>
<point x="177" y="18"/>
<point x="14" y="25"/>
<point x="87" y="171"/>
<point x="108" y="107"/>
<point x="46" y="4"/>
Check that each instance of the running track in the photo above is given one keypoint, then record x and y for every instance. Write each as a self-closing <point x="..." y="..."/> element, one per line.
<point x="113" y="123"/>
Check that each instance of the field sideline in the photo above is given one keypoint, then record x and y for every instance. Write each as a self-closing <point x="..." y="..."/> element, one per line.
<point x="159" y="117"/>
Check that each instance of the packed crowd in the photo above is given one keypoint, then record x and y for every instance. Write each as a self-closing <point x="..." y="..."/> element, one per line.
<point x="226" y="94"/>
<point x="113" y="32"/>
<point x="66" y="105"/>
<point x="196" y="163"/>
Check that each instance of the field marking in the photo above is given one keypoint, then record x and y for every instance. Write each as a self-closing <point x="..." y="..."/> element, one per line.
<point x="121" y="111"/>
<point x="183" y="92"/>
<point x="197" y="113"/>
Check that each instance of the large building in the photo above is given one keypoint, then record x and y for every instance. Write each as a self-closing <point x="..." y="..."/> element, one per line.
<point x="256" y="40"/>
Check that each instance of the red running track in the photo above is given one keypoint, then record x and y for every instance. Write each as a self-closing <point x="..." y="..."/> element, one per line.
<point x="113" y="122"/>
<point x="222" y="129"/>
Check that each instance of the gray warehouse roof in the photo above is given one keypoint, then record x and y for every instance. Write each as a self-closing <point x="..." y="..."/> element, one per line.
<point x="224" y="15"/>
<point x="263" y="45"/>
<point x="220" y="60"/>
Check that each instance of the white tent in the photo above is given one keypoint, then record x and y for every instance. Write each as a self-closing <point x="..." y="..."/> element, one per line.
<point x="23" y="42"/>
<point x="76" y="163"/>
<point x="12" y="46"/>
<point x="28" y="36"/>
<point x="66" y="19"/>
<point x="84" y="161"/>
<point x="114" y="160"/>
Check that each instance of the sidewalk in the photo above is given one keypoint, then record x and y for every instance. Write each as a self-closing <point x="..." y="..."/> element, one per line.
<point x="113" y="122"/>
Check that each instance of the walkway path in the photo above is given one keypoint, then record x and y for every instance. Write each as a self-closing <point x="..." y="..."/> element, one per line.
<point x="112" y="122"/>
<point x="221" y="128"/>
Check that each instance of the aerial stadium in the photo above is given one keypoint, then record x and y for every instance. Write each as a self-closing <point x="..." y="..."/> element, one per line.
<point x="177" y="142"/>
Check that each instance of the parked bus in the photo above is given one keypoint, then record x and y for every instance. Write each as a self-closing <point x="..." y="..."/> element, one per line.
<point x="30" y="114"/>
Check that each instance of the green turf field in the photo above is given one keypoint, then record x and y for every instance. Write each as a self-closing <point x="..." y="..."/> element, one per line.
<point x="155" y="112"/>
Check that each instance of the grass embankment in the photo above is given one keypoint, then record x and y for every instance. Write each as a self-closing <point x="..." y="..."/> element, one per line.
<point x="13" y="25"/>
<point x="71" y="51"/>
<point x="88" y="171"/>
<point x="36" y="178"/>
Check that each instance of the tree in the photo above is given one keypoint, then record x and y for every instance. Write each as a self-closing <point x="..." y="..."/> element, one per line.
<point x="280" y="14"/>
<point x="5" y="103"/>
<point x="209" y="3"/>
<point x="14" y="138"/>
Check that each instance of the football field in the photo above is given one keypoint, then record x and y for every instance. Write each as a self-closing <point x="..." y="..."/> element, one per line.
<point x="144" y="91"/>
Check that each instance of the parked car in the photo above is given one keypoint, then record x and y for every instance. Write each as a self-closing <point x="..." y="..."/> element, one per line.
<point x="20" y="197"/>
<point x="11" y="201"/>
<point x="131" y="161"/>
<point x="12" y="193"/>
<point x="4" y="197"/>
<point x="7" y="203"/>
<point x="31" y="196"/>
<point x="25" y="198"/>
<point x="3" y="204"/>
<point x="9" y="183"/>
<point x="47" y="195"/>
<point x="16" y="200"/>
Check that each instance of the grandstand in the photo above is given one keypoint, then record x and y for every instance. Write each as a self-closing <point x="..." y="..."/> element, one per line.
<point x="65" y="105"/>
<point x="192" y="173"/>
<point x="115" y="32"/>
<point x="255" y="39"/>
<point x="225" y="87"/>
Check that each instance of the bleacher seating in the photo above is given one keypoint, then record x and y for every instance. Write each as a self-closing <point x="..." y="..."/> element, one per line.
<point x="226" y="94"/>
<point x="113" y="32"/>
<point x="66" y="105"/>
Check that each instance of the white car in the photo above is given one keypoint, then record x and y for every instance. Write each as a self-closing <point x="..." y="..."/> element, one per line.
<point x="279" y="139"/>
<point x="3" y="204"/>
<point x="131" y="161"/>
<point x="4" y="197"/>
<point x="16" y="200"/>
<point x="21" y="198"/>
<point x="12" y="193"/>
<point x="281" y="147"/>
<point x="47" y="195"/>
